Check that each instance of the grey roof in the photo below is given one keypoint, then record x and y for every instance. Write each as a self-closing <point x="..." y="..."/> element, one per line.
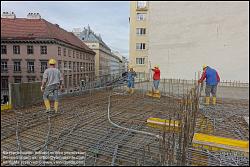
<point x="87" y="35"/>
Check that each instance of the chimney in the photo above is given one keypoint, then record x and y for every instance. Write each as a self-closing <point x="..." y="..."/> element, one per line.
<point x="33" y="16"/>
<point x="9" y="15"/>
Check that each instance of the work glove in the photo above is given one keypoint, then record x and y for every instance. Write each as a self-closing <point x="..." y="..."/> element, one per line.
<point x="42" y="88"/>
<point x="61" y="87"/>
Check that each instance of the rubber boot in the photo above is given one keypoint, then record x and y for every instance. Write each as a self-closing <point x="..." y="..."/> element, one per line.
<point x="157" y="91"/>
<point x="128" y="90"/>
<point x="132" y="90"/>
<point x="56" y="106"/>
<point x="47" y="105"/>
<point x="207" y="100"/>
<point x="214" y="100"/>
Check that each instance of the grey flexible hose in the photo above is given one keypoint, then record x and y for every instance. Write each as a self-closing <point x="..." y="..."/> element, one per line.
<point x="129" y="129"/>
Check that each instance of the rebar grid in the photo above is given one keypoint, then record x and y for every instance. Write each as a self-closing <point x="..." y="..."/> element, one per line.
<point x="83" y="126"/>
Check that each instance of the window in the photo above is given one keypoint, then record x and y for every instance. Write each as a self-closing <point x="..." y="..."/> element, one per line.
<point x="16" y="49"/>
<point x="64" y="51"/>
<point x="4" y="66"/>
<point x="69" y="65"/>
<point x="77" y="79"/>
<point x="74" y="66"/>
<point x="70" y="80"/>
<point x="140" y="31"/>
<point x="17" y="66"/>
<point x="30" y="49"/>
<point x="59" y="64"/>
<point x="141" y="16"/>
<point x="17" y="79"/>
<point x="78" y="67"/>
<point x="84" y="67"/>
<point x="43" y="50"/>
<point x="31" y="79"/>
<point x="140" y="60"/>
<point x="31" y="66"/>
<point x="141" y="75"/>
<point x="140" y="46"/>
<point x="81" y="67"/>
<point x="4" y="82"/>
<point x="141" y="4"/>
<point x="59" y="51"/>
<point x="65" y="81"/>
<point x="77" y="55"/>
<point x="73" y="54"/>
<point x="3" y="49"/>
<point x="43" y="66"/>
<point x="65" y="65"/>
<point x="69" y="52"/>
<point x="74" y="80"/>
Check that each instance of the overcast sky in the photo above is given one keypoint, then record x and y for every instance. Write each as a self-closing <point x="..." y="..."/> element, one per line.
<point x="109" y="18"/>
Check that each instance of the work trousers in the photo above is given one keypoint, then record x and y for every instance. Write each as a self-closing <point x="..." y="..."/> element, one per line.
<point x="51" y="90"/>
<point x="211" y="89"/>
<point x="131" y="83"/>
<point x="156" y="83"/>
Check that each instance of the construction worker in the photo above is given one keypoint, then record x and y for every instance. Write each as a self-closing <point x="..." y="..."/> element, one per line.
<point x="156" y="79"/>
<point x="51" y="83"/>
<point x="212" y="79"/>
<point x="131" y="79"/>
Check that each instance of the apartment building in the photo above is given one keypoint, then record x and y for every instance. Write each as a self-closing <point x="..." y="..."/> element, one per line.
<point x="123" y="63"/>
<point x="138" y="45"/>
<point x="28" y="43"/>
<point x="115" y="66"/>
<point x="181" y="36"/>
<point x="105" y="61"/>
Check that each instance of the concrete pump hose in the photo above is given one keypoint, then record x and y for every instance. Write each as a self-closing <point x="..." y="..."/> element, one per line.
<point x="128" y="129"/>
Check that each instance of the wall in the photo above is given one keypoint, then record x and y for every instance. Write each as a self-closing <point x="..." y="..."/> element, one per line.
<point x="134" y="38"/>
<point x="25" y="94"/>
<point x="185" y="35"/>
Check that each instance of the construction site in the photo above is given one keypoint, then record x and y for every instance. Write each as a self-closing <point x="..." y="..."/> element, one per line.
<point x="108" y="126"/>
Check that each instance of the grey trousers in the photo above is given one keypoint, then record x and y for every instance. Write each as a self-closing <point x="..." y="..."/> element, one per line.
<point x="211" y="89"/>
<point x="51" y="89"/>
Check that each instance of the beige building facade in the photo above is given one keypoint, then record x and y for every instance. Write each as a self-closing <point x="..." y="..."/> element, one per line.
<point x="138" y="45"/>
<point x="184" y="35"/>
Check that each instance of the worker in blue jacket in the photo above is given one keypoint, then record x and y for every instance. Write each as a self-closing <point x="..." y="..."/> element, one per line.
<point x="131" y="79"/>
<point x="212" y="80"/>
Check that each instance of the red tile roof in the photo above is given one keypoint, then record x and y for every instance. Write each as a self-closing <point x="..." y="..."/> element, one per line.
<point x="22" y="28"/>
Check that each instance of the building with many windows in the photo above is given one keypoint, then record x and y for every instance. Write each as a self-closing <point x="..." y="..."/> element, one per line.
<point x="115" y="66"/>
<point x="181" y="36"/>
<point x="105" y="62"/>
<point x="138" y="46"/>
<point x="28" y="43"/>
<point x="123" y="61"/>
